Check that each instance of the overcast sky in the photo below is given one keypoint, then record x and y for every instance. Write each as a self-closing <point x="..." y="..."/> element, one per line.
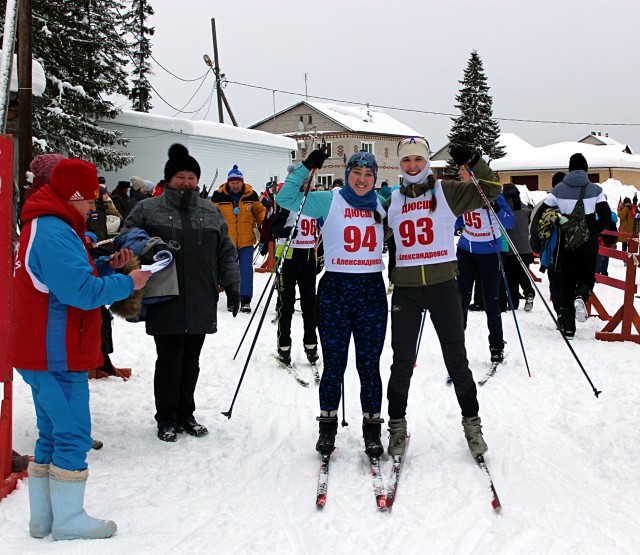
<point x="555" y="60"/>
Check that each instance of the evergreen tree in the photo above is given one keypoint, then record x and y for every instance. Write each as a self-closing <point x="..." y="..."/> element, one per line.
<point x="140" y="48"/>
<point x="84" y="58"/>
<point x="475" y="127"/>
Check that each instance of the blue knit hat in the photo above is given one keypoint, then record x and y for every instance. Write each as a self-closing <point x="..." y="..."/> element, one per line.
<point x="235" y="174"/>
<point x="362" y="159"/>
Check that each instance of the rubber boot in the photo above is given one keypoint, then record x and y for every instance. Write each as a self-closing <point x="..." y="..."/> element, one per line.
<point x="70" y="521"/>
<point x="39" y="500"/>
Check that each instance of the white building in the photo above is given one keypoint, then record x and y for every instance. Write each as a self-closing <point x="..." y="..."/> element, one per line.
<point x="216" y="146"/>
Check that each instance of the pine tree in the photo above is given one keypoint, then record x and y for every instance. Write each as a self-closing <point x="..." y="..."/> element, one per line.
<point x="140" y="48"/>
<point x="84" y="58"/>
<point x="475" y="127"/>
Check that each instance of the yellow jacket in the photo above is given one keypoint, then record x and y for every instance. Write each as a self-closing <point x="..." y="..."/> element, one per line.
<point x="250" y="216"/>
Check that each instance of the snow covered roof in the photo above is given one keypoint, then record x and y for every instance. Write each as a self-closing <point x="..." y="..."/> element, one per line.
<point x="557" y="156"/>
<point x="513" y="144"/>
<point x="358" y="119"/>
<point x="603" y="139"/>
<point x="38" y="79"/>
<point x="203" y="129"/>
<point x="361" y="119"/>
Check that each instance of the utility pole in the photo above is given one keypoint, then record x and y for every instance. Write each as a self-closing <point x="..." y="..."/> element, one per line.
<point x="216" y="69"/>
<point x="220" y="78"/>
<point x="25" y="93"/>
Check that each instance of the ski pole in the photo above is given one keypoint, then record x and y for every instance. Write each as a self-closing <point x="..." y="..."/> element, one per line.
<point x="596" y="392"/>
<point x="278" y="270"/>
<point x="344" y="410"/>
<point x="506" y="284"/>
<point x="424" y="316"/>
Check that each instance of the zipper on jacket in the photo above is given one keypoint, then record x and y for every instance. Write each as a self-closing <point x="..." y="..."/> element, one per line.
<point x="173" y="229"/>
<point x="200" y="231"/>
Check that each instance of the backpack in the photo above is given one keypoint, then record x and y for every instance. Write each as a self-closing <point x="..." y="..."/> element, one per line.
<point x="575" y="232"/>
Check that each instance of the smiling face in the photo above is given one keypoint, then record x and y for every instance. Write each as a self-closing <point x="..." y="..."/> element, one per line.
<point x="184" y="179"/>
<point x="413" y="165"/>
<point x="361" y="180"/>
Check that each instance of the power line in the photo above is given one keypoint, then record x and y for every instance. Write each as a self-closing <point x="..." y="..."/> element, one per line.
<point x="416" y="111"/>
<point x="173" y="74"/>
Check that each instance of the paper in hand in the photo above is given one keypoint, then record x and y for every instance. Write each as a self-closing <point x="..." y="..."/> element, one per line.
<point x="162" y="260"/>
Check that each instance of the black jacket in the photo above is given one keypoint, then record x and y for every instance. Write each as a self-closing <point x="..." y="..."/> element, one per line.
<point x="206" y="256"/>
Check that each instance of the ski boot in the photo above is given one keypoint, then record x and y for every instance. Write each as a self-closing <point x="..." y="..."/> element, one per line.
<point x="473" y="434"/>
<point x="397" y="436"/>
<point x="328" y="428"/>
<point x="371" y="430"/>
<point x="312" y="353"/>
<point x="284" y="356"/>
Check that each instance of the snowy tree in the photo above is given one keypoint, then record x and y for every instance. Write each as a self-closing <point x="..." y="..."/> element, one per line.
<point x="84" y="58"/>
<point x="475" y="127"/>
<point x="140" y="48"/>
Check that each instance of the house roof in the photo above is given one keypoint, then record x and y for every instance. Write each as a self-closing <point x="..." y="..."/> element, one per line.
<point x="357" y="119"/>
<point x="512" y="144"/>
<point x="203" y="129"/>
<point x="556" y="156"/>
<point x="603" y="139"/>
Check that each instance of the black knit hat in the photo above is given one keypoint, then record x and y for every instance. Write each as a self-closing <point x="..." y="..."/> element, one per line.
<point x="179" y="160"/>
<point x="578" y="162"/>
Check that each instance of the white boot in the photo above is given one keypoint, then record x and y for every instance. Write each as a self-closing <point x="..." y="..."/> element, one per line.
<point x="39" y="500"/>
<point x="70" y="521"/>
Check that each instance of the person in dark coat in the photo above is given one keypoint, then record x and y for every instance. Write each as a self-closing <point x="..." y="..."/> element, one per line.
<point x="179" y="325"/>
<point x="576" y="267"/>
<point x="120" y="197"/>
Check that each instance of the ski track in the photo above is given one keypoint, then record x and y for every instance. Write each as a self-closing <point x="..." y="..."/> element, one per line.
<point x="563" y="462"/>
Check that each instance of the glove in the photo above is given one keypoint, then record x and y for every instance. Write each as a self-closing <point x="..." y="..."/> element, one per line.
<point x="264" y="248"/>
<point x="234" y="297"/>
<point x="462" y="155"/>
<point x="288" y="229"/>
<point x="316" y="158"/>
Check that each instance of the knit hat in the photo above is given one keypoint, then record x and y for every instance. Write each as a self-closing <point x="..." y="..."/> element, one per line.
<point x="137" y="183"/>
<point x="179" y="160"/>
<point x="235" y="174"/>
<point x="42" y="168"/>
<point x="362" y="159"/>
<point x="413" y="146"/>
<point x="290" y="168"/>
<point x="102" y="180"/>
<point x="75" y="179"/>
<point x="103" y="191"/>
<point x="578" y="162"/>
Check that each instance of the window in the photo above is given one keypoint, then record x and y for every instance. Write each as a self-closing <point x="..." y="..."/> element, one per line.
<point x="310" y="119"/>
<point x="325" y="180"/>
<point x="329" y="150"/>
<point x="293" y="154"/>
<point x="367" y="146"/>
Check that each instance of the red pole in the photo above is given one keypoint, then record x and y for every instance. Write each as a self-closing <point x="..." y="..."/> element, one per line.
<point x="7" y="478"/>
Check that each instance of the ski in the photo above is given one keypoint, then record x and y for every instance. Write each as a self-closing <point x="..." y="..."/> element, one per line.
<point x="316" y="372"/>
<point x="396" y="468"/>
<point x="378" y="483"/>
<point x="292" y="370"/>
<point x="490" y="373"/>
<point x="323" y="482"/>
<point x="495" y="502"/>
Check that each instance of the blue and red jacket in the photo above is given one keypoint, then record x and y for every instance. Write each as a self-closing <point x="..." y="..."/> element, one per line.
<point x="56" y="290"/>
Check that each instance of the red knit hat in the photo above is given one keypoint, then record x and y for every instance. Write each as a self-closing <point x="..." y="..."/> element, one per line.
<point x="42" y="167"/>
<point x="75" y="179"/>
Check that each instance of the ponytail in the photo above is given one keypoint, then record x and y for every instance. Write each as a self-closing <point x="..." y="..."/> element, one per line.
<point x="431" y="184"/>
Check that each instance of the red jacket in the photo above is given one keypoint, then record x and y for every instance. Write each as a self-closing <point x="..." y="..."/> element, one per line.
<point x="56" y="292"/>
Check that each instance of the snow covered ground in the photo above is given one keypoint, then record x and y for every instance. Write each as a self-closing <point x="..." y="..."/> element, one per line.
<point x="565" y="463"/>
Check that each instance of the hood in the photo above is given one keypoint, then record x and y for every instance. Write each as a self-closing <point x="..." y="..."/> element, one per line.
<point x="576" y="178"/>
<point x="45" y="202"/>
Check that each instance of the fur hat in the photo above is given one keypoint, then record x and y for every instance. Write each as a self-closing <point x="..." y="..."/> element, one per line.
<point x="137" y="183"/>
<point x="362" y="159"/>
<point x="578" y="162"/>
<point x="123" y="185"/>
<point x="179" y="160"/>
<point x="235" y="174"/>
<point x="42" y="168"/>
<point x="413" y="146"/>
<point x="75" y="179"/>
